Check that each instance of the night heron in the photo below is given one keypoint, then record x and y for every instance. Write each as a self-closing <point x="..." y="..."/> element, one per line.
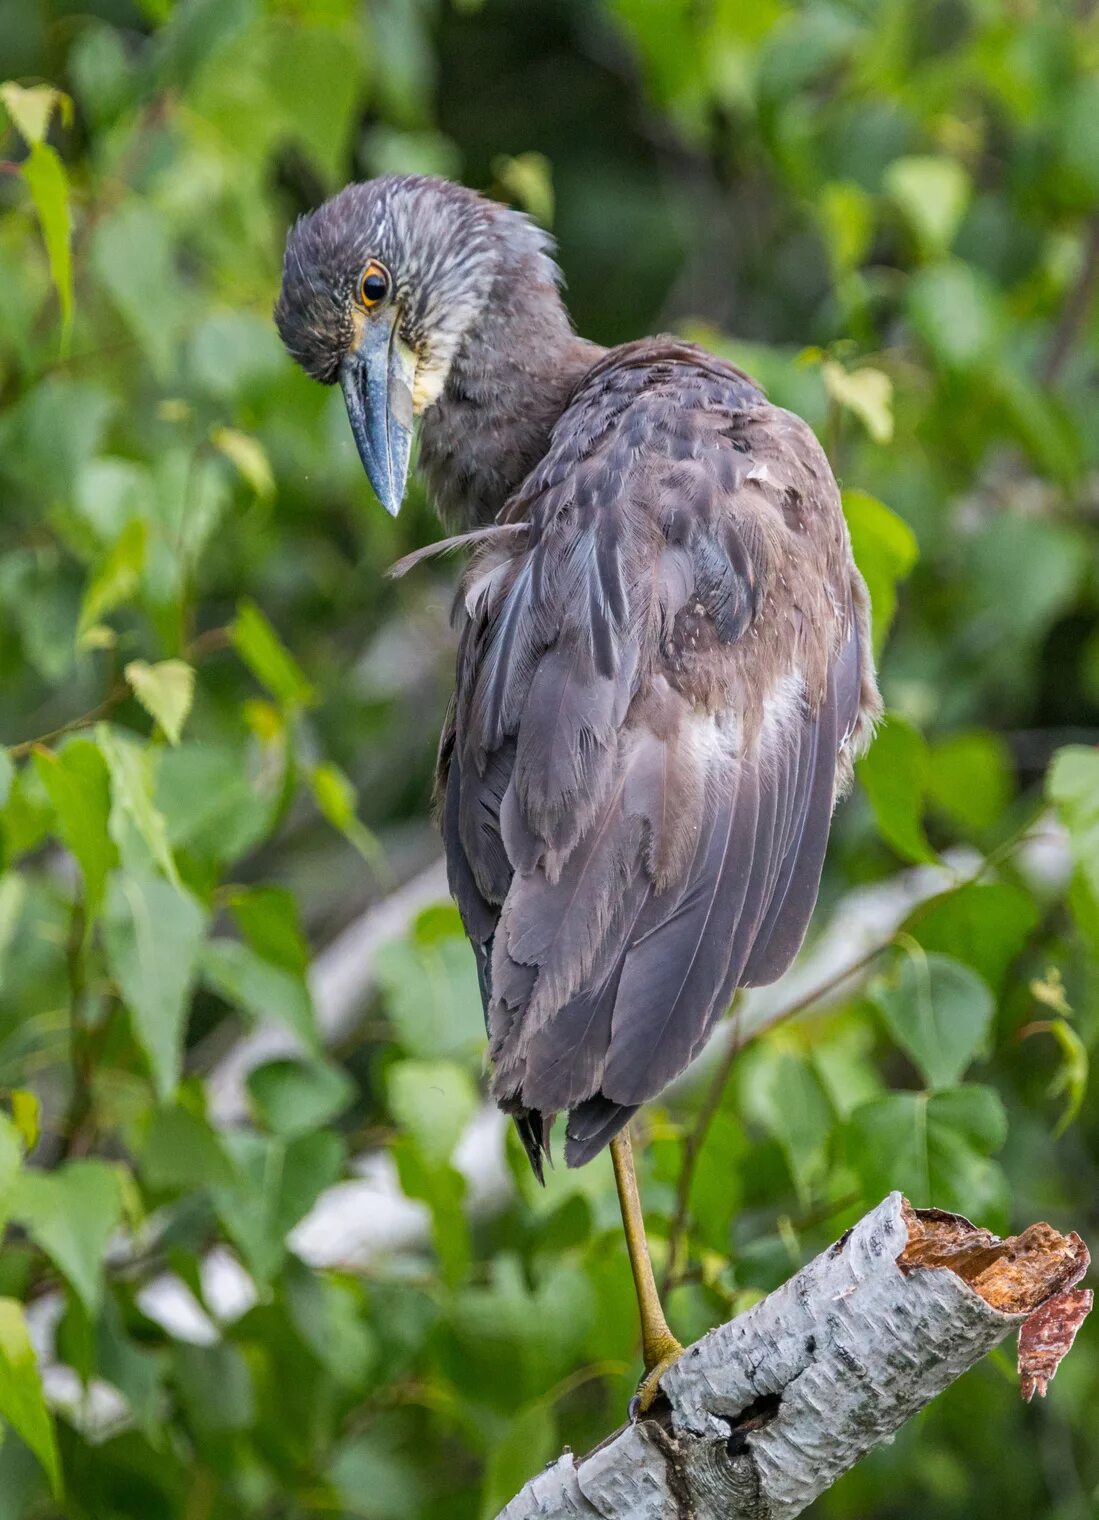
<point x="664" y="665"/>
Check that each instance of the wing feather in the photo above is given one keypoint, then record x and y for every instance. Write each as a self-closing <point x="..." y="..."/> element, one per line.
<point x="656" y="679"/>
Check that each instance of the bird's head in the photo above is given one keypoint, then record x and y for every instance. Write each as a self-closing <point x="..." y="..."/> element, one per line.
<point x="380" y="286"/>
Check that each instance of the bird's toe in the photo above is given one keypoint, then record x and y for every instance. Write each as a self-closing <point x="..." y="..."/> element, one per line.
<point x="648" y="1390"/>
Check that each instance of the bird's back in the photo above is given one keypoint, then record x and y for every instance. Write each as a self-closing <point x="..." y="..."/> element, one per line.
<point x="664" y="672"/>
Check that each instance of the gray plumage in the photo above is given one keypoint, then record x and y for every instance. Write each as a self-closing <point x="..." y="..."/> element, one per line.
<point x="664" y="664"/>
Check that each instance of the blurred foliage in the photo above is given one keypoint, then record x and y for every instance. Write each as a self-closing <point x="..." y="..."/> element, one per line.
<point x="221" y="722"/>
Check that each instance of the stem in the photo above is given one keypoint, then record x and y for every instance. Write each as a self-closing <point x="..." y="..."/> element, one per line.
<point x="1075" y="312"/>
<point x="210" y="642"/>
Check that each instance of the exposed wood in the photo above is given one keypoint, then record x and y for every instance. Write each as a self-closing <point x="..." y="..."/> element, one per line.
<point x="766" y="1412"/>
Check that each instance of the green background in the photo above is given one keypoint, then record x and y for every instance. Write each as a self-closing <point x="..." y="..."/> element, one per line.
<point x="221" y="722"/>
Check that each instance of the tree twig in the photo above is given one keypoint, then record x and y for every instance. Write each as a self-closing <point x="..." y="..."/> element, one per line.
<point x="210" y="642"/>
<point x="1074" y="314"/>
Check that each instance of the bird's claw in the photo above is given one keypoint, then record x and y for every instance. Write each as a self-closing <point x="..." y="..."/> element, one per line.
<point x="649" y="1386"/>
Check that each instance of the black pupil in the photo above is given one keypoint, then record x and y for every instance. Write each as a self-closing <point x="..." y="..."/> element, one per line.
<point x="374" y="287"/>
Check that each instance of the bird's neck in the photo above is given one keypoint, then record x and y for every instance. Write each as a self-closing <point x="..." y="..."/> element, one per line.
<point x="507" y="387"/>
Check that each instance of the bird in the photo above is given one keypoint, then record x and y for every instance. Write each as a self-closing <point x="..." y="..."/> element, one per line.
<point x="664" y="664"/>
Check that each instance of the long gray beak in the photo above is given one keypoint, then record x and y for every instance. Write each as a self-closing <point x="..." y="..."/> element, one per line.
<point x="377" y="387"/>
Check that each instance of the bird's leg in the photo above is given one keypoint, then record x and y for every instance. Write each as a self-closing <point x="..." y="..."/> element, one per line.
<point x="659" y="1346"/>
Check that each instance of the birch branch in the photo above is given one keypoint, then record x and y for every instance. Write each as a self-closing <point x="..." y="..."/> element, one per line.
<point x="766" y="1412"/>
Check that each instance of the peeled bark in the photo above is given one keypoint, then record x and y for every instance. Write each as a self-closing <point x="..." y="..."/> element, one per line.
<point x="764" y="1413"/>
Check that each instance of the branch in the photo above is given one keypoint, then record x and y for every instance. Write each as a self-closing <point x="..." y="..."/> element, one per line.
<point x="766" y="1412"/>
<point x="1075" y="312"/>
<point x="210" y="642"/>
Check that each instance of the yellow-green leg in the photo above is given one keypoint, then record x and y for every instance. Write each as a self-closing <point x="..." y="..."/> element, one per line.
<point x="659" y="1346"/>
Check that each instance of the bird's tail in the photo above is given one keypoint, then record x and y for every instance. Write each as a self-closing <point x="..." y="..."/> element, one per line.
<point x="592" y="1125"/>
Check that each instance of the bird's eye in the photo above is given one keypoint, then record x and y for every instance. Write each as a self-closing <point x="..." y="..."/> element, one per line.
<point x="375" y="284"/>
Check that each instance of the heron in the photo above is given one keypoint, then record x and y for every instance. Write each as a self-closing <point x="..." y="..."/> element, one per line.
<point x="664" y="667"/>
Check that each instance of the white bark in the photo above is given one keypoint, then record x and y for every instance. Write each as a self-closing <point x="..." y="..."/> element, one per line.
<point x="767" y="1411"/>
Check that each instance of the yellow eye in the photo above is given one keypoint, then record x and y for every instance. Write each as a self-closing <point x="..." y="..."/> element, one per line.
<point x="375" y="284"/>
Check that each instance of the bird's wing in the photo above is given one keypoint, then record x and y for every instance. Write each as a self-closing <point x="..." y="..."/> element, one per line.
<point x="661" y="682"/>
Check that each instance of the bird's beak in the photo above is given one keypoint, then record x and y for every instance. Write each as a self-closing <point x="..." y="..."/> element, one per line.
<point x="376" y="378"/>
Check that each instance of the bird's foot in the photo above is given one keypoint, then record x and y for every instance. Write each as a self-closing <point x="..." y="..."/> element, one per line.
<point x="657" y="1362"/>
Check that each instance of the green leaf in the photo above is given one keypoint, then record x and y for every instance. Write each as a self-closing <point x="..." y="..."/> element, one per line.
<point x="12" y="1144"/>
<point x="133" y="258"/>
<point x="443" y="1190"/>
<point x="265" y="991"/>
<point x="1020" y="574"/>
<point x="934" y="1148"/>
<point x="432" y="1100"/>
<point x="192" y="35"/>
<point x="718" y="1185"/>
<point x="528" y="1443"/>
<point x="49" y="436"/>
<point x="937" y="1010"/>
<point x="954" y="308"/>
<point x="847" y="217"/>
<point x="430" y="991"/>
<point x="27" y="819"/>
<point x="1083" y="901"/>
<point x="971" y="778"/>
<point x="885" y="551"/>
<point x="72" y="1214"/>
<point x="117" y="576"/>
<point x="135" y="1371"/>
<point x="932" y="192"/>
<point x="261" y="649"/>
<point x="783" y="1093"/>
<point x="153" y="932"/>
<point x="338" y="800"/>
<point x="232" y="353"/>
<point x="78" y="783"/>
<point x="248" y="457"/>
<point x="215" y="1387"/>
<point x="278" y="1183"/>
<point x="26" y="1115"/>
<point x="866" y="392"/>
<point x="313" y="79"/>
<point x="294" y="1097"/>
<point x="213" y="805"/>
<point x="336" y="796"/>
<point x="133" y="782"/>
<point x="1073" y="788"/>
<point x="7" y="775"/>
<point x="268" y="918"/>
<point x="49" y="187"/>
<point x="165" y="690"/>
<point x="329" y="1317"/>
<point x="13" y="895"/>
<point x="1071" y="1077"/>
<point x="181" y="1152"/>
<point x="528" y="180"/>
<point x="894" y="776"/>
<point x="372" y="1463"/>
<point x="984" y="924"/>
<point x="31" y="108"/>
<point x="22" y="1403"/>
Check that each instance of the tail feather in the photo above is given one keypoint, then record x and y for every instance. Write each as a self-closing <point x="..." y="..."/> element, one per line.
<point x="592" y="1125"/>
